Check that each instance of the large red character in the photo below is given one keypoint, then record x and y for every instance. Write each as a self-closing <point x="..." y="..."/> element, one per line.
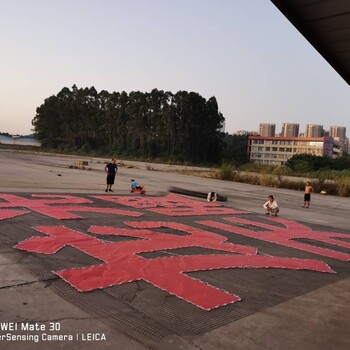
<point x="62" y="209"/>
<point x="287" y="236"/>
<point x="172" y="205"/>
<point x="9" y="213"/>
<point x="122" y="262"/>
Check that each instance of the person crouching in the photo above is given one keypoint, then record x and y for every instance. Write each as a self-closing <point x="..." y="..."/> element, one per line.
<point x="271" y="206"/>
<point x="212" y="197"/>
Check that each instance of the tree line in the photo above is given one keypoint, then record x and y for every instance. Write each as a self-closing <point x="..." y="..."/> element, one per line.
<point x="309" y="162"/>
<point x="158" y="124"/>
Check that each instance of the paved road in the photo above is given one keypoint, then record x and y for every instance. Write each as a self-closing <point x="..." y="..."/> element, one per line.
<point x="317" y="319"/>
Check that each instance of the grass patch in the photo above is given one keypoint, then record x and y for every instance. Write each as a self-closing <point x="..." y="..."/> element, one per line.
<point x="226" y="172"/>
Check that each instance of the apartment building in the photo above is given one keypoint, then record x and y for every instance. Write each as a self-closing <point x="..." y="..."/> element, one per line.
<point x="337" y="131"/>
<point x="277" y="150"/>
<point x="313" y="130"/>
<point x="290" y="130"/>
<point x="339" y="135"/>
<point x="266" y="129"/>
<point x="347" y="146"/>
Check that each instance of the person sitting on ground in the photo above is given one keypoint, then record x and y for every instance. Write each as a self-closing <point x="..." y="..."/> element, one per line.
<point x="271" y="206"/>
<point x="211" y="197"/>
<point x="135" y="186"/>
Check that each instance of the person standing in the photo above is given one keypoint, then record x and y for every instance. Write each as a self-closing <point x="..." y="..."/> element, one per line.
<point x="111" y="169"/>
<point x="271" y="206"/>
<point x="307" y="195"/>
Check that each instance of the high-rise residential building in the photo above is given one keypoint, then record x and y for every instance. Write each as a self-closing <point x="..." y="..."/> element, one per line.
<point x="341" y="143"/>
<point x="266" y="129"/>
<point x="339" y="135"/>
<point x="313" y="130"/>
<point x="290" y="130"/>
<point x="347" y="146"/>
<point x="337" y="131"/>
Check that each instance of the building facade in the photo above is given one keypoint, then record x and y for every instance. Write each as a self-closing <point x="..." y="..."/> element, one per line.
<point x="337" y="131"/>
<point x="313" y="130"/>
<point x="290" y="130"/>
<point x="339" y="135"/>
<point x="266" y="129"/>
<point x="277" y="150"/>
<point x="245" y="133"/>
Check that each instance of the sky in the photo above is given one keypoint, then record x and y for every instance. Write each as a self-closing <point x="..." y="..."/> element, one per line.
<point x="243" y="52"/>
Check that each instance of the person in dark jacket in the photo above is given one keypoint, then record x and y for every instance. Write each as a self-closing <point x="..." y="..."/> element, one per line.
<point x="111" y="169"/>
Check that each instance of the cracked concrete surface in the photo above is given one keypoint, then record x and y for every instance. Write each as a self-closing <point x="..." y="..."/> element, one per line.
<point x="292" y="325"/>
<point x="35" y="303"/>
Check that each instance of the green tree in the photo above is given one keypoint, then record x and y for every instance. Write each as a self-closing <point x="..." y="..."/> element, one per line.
<point x="235" y="148"/>
<point x="307" y="162"/>
<point x="183" y="126"/>
<point x="47" y="123"/>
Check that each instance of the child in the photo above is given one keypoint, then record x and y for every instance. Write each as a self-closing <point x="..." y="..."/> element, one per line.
<point x="271" y="206"/>
<point x="135" y="186"/>
<point x="307" y="195"/>
<point x="211" y="197"/>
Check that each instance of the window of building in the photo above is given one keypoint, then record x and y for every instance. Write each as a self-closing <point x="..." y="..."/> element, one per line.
<point x="312" y="143"/>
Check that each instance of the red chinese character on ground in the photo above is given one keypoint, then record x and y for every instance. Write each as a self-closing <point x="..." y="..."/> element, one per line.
<point x="172" y="205"/>
<point x="61" y="209"/>
<point x="121" y="262"/>
<point x="288" y="235"/>
<point x="8" y="213"/>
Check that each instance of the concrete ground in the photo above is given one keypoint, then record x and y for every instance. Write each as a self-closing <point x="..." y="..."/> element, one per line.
<point x="317" y="319"/>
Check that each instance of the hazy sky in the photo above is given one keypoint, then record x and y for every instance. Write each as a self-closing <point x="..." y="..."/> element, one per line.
<point x="243" y="52"/>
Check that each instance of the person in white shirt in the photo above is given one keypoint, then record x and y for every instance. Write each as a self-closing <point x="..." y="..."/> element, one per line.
<point x="271" y="206"/>
<point x="211" y="197"/>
